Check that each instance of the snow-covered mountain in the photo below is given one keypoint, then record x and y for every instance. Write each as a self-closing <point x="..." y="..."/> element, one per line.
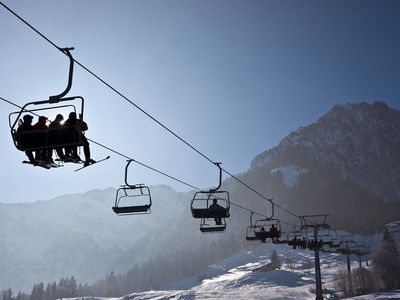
<point x="360" y="142"/>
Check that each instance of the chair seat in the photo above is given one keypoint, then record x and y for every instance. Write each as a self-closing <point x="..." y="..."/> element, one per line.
<point x="131" y="209"/>
<point x="205" y="213"/>
<point x="212" y="229"/>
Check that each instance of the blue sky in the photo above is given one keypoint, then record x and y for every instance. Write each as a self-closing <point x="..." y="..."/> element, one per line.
<point x="231" y="77"/>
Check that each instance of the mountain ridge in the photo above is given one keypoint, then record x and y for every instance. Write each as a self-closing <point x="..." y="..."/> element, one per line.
<point x="358" y="141"/>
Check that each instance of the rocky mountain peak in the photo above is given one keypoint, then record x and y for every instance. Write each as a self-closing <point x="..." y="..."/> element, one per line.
<point x="361" y="142"/>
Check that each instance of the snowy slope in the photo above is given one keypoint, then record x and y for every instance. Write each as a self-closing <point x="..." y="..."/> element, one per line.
<point x="242" y="276"/>
<point x="394" y="295"/>
<point x="237" y="277"/>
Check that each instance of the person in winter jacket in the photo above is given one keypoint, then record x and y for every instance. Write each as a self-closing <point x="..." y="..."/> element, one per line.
<point x="42" y="154"/>
<point x="57" y="124"/>
<point x="216" y="208"/>
<point x="26" y="125"/>
<point x="73" y="150"/>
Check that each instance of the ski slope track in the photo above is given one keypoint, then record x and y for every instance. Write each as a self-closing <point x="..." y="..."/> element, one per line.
<point x="241" y="276"/>
<point x="245" y="275"/>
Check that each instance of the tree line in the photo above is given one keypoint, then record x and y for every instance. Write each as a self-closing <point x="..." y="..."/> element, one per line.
<point x="65" y="288"/>
<point x="383" y="276"/>
<point x="161" y="269"/>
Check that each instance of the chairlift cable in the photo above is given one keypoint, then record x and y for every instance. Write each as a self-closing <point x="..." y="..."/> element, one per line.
<point x="29" y="25"/>
<point x="143" y="111"/>
<point x="148" y="167"/>
<point x="144" y="165"/>
<point x="171" y="177"/>
<point x="16" y="105"/>
<point x="255" y="191"/>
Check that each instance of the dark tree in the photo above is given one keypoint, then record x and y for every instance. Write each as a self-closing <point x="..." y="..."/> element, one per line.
<point x="275" y="263"/>
<point x="386" y="262"/>
<point x="7" y="295"/>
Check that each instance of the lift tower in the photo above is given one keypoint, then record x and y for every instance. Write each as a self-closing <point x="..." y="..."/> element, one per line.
<point x="315" y="222"/>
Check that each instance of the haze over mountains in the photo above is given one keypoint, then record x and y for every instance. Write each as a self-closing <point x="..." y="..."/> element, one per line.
<point x="347" y="164"/>
<point x="75" y="235"/>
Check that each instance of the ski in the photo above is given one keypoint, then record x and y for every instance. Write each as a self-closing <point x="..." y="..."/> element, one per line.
<point x="70" y="160"/>
<point x="43" y="164"/>
<point x="92" y="163"/>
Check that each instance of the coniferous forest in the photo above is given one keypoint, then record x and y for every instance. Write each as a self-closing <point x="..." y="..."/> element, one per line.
<point x="146" y="276"/>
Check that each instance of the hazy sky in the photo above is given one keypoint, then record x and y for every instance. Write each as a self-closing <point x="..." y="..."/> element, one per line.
<point x="231" y="77"/>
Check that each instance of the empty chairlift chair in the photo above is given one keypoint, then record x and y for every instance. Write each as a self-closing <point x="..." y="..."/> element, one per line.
<point x="212" y="207"/>
<point x="250" y="233"/>
<point x="132" y="199"/>
<point x="335" y="241"/>
<point x="250" y="230"/>
<point x="328" y="238"/>
<point x="346" y="241"/>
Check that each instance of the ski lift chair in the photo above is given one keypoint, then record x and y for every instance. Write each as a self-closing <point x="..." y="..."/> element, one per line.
<point x="211" y="204"/>
<point x="312" y="221"/>
<point x="335" y="242"/>
<point x="291" y="237"/>
<point x="325" y="250"/>
<point x="359" y="250"/>
<point x="298" y="239"/>
<point x="344" y="241"/>
<point x="327" y="238"/>
<point x="256" y="230"/>
<point x="128" y="197"/>
<point x="343" y="251"/>
<point x="49" y="138"/>
<point x="262" y="233"/>
<point x="202" y="200"/>
<point x="250" y="233"/>
<point x="132" y="199"/>
<point x="250" y="230"/>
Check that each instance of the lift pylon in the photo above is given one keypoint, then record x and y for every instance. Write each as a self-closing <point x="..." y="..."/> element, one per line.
<point x="315" y="222"/>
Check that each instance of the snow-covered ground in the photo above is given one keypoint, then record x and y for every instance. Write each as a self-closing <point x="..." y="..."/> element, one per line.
<point x="393" y="295"/>
<point x="240" y="276"/>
